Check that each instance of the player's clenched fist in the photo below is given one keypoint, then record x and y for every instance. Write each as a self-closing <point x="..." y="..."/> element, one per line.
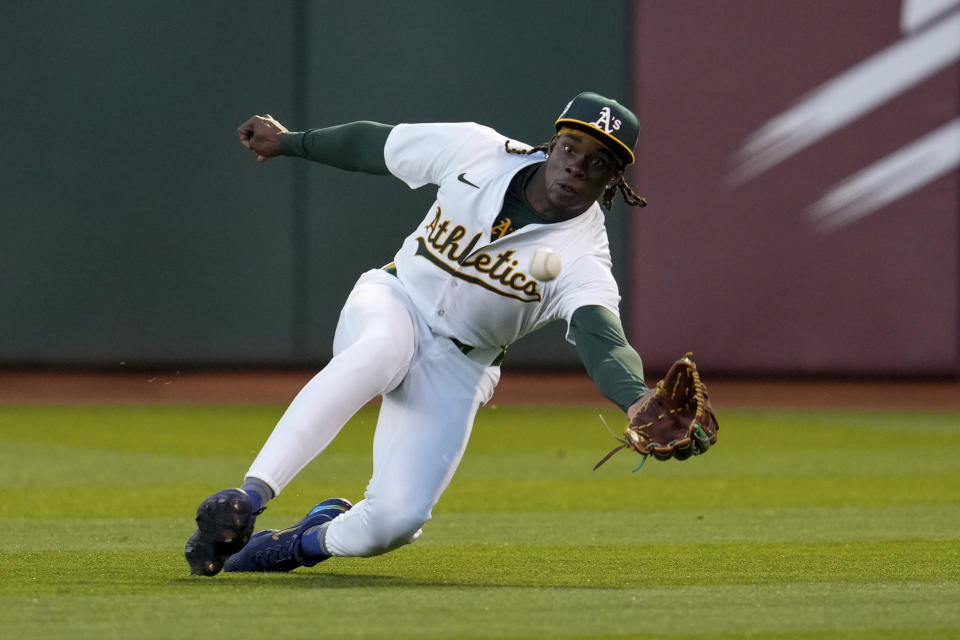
<point x="261" y="134"/>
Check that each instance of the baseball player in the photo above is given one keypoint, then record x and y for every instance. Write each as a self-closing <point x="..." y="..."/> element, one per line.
<point x="428" y="331"/>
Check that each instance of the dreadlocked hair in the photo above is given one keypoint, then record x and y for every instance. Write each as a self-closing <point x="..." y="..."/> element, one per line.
<point x="606" y="199"/>
<point x="524" y="152"/>
<point x="629" y="195"/>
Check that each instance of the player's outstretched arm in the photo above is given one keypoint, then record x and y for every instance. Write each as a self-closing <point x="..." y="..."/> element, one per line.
<point x="354" y="146"/>
<point x="610" y="361"/>
<point x="261" y="134"/>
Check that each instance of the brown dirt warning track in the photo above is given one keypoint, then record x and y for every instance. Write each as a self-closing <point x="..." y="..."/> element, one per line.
<point x="516" y="388"/>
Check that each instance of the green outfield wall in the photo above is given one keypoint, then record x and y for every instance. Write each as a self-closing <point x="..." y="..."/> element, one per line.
<point x="136" y="230"/>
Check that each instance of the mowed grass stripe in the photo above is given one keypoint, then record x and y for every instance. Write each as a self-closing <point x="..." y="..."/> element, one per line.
<point x="64" y="464"/>
<point x="934" y="457"/>
<point x="301" y="606"/>
<point x="872" y="490"/>
<point x="654" y="527"/>
<point x="468" y="495"/>
<point x="531" y="565"/>
<point x="193" y="431"/>
<point x="647" y="527"/>
<point x="228" y="430"/>
<point x="93" y="468"/>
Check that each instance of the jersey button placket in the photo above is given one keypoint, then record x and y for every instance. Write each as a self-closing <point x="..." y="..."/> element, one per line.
<point x="451" y="284"/>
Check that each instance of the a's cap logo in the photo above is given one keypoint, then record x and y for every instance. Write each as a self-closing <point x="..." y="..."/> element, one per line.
<point x="606" y="121"/>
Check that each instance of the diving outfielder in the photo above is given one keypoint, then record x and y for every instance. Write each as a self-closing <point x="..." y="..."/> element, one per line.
<point x="428" y="331"/>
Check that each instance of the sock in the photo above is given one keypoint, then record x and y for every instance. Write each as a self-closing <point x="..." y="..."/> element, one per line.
<point x="313" y="542"/>
<point x="259" y="491"/>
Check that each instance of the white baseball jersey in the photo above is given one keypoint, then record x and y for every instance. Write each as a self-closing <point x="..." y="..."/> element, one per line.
<point x="463" y="284"/>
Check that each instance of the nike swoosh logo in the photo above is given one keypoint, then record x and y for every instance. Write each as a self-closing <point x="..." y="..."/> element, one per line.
<point x="462" y="179"/>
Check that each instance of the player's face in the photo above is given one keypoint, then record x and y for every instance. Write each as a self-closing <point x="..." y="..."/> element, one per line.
<point x="578" y="170"/>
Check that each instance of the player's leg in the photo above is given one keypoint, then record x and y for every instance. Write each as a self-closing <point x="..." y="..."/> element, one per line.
<point x="374" y="344"/>
<point x="420" y="438"/>
<point x="421" y="434"/>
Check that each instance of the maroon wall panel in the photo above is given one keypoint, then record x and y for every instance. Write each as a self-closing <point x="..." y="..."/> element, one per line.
<point x="800" y="158"/>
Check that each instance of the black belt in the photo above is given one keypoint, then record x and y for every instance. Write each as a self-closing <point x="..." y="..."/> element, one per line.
<point x="465" y="349"/>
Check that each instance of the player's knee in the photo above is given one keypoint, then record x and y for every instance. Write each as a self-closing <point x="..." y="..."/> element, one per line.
<point x="393" y="527"/>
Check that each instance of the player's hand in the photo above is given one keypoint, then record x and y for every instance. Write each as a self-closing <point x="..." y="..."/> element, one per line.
<point x="261" y="134"/>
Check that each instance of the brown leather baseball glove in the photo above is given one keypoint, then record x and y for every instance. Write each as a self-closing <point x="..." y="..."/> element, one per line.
<point x="675" y="419"/>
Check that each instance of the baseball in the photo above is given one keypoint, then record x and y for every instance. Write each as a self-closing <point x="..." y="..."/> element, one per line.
<point x="546" y="264"/>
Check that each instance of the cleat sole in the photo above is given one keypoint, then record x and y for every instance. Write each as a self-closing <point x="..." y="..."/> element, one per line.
<point x="224" y="525"/>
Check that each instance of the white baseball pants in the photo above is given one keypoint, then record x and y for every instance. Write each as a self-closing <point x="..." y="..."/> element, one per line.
<point x="431" y="393"/>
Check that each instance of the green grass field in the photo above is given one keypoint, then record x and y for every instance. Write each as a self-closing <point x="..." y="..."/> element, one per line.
<point x="798" y="525"/>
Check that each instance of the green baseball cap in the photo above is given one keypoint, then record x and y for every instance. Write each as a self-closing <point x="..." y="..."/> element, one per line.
<point x="604" y="119"/>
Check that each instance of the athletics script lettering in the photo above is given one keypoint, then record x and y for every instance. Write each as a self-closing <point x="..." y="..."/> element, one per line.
<point x="445" y="245"/>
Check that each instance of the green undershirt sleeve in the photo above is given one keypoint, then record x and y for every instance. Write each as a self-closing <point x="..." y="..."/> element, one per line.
<point x="612" y="364"/>
<point x="355" y="146"/>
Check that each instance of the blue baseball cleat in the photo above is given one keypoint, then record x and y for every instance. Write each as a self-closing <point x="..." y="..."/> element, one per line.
<point x="224" y="524"/>
<point x="274" y="550"/>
